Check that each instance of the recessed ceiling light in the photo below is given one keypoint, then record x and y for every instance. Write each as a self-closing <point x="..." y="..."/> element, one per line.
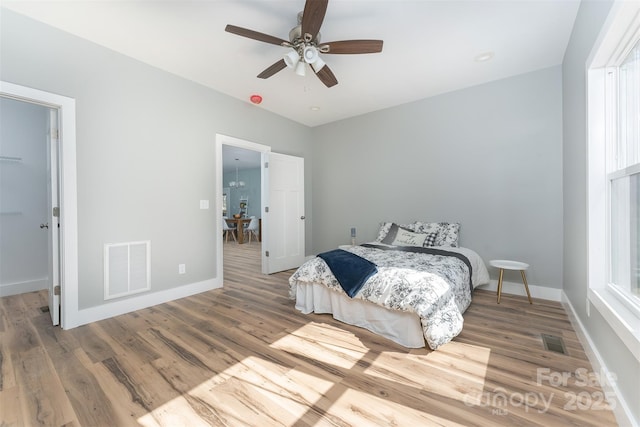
<point x="484" y="57"/>
<point x="314" y="108"/>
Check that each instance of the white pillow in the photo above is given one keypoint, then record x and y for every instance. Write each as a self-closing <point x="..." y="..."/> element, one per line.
<point x="408" y="238"/>
<point x="386" y="226"/>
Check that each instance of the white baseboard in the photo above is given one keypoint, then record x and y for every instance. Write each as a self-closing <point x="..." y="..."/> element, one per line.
<point x="9" y="289"/>
<point x="515" y="288"/>
<point x="621" y="409"/>
<point x="116" y="308"/>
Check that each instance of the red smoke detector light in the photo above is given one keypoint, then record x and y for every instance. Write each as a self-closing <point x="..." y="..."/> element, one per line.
<point x="256" y="99"/>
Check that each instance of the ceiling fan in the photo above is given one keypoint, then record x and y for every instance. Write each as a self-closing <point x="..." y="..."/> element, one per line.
<point x="304" y="39"/>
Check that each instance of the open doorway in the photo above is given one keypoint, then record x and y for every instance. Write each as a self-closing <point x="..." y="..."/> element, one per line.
<point x="23" y="196"/>
<point x="282" y="206"/>
<point x="228" y="198"/>
<point x="242" y="201"/>
<point x="29" y="231"/>
<point x="60" y="219"/>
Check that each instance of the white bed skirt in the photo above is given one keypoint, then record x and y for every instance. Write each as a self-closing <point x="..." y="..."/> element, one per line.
<point x="401" y="327"/>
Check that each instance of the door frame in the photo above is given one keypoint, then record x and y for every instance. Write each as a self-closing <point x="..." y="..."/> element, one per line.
<point x="53" y="202"/>
<point x="264" y="150"/>
<point x="68" y="198"/>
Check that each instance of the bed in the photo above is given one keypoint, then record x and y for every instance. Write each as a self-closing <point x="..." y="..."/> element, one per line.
<point x="420" y="286"/>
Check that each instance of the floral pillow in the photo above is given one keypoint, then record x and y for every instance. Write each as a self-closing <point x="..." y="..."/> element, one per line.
<point x="448" y="233"/>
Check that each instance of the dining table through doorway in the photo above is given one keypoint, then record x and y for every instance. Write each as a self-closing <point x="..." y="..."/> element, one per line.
<point x="239" y="225"/>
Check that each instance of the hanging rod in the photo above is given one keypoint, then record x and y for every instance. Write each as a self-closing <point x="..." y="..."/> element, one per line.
<point x="11" y="159"/>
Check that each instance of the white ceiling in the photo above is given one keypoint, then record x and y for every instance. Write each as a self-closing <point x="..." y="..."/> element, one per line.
<point x="429" y="45"/>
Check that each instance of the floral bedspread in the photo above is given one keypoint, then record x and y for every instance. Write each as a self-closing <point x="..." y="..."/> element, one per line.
<point x="434" y="286"/>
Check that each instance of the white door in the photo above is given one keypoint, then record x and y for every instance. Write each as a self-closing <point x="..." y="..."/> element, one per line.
<point x="53" y="217"/>
<point x="284" y="223"/>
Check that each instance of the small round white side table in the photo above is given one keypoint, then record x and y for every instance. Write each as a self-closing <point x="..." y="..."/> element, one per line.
<point x="504" y="264"/>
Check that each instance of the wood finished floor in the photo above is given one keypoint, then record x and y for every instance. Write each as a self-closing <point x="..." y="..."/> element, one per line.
<point x="243" y="356"/>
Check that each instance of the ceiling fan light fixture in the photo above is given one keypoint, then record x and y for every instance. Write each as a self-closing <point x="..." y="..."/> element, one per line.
<point x="317" y="66"/>
<point x="291" y="59"/>
<point x="310" y="54"/>
<point x="304" y="40"/>
<point x="300" y="69"/>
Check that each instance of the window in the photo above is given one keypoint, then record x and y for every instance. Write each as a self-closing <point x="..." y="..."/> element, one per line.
<point x="613" y="81"/>
<point x="623" y="173"/>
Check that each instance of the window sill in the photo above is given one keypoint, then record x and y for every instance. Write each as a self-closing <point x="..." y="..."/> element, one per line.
<point x="623" y="319"/>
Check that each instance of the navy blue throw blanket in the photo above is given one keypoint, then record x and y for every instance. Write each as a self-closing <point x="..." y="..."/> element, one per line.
<point x="351" y="270"/>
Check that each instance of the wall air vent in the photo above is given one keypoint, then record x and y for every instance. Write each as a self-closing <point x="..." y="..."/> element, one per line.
<point x="127" y="268"/>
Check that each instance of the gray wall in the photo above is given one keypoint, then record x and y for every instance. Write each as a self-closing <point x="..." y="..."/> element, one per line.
<point x="23" y="195"/>
<point x="616" y="355"/>
<point x="489" y="157"/>
<point x="145" y="149"/>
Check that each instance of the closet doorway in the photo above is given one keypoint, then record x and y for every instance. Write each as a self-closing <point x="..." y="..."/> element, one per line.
<point x="29" y="233"/>
<point x="38" y="201"/>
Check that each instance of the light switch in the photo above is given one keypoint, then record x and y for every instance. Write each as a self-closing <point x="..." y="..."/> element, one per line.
<point x="204" y="204"/>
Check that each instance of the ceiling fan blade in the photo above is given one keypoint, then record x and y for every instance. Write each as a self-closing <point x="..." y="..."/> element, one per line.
<point x="352" y="46"/>
<point x="312" y="17"/>
<point x="327" y="77"/>
<point x="271" y="70"/>
<point x="244" y="32"/>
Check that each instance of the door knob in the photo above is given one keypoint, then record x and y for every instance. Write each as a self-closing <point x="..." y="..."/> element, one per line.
<point x="44" y="225"/>
<point x="302" y="217"/>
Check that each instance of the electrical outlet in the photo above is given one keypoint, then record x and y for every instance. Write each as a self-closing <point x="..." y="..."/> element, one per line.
<point x="182" y="268"/>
